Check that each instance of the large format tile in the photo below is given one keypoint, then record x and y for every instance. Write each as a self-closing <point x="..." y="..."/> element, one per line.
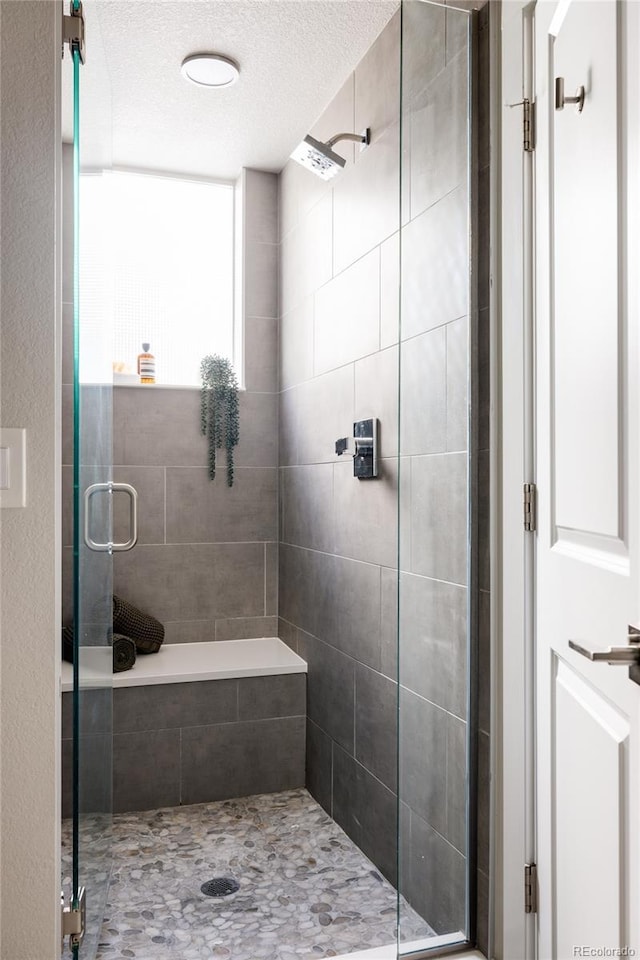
<point x="376" y="395"/>
<point x="240" y="759"/>
<point x="390" y="291"/>
<point x="347" y="315"/>
<point x="261" y="206"/>
<point x="246" y="628"/>
<point x="324" y="414"/>
<point x="261" y="354"/>
<point x="203" y="511"/>
<point x="423" y="758"/>
<point x="157" y="427"/>
<point x="146" y="770"/>
<point x="435" y="266"/>
<point x="389" y="622"/>
<point x="458" y="367"/>
<point x="366" y="201"/>
<point x="319" y="765"/>
<point x="439" y="118"/>
<point x="173" y="705"/>
<point x="194" y="581"/>
<point x="377" y="83"/>
<point x="366" y="514"/>
<point x="260" y="279"/>
<point x="438" y="871"/>
<point x="439" y="507"/>
<point x="366" y="810"/>
<point x="433" y="641"/>
<point x="423" y="46"/>
<point x="457" y="778"/>
<point x="376" y="746"/>
<point x="306" y="254"/>
<point x="307" y="506"/>
<point x="260" y="698"/>
<point x="296" y="345"/>
<point x="330" y="692"/>
<point x="95" y="780"/>
<point x="355" y="595"/>
<point x="423" y="394"/>
<point x="149" y="484"/>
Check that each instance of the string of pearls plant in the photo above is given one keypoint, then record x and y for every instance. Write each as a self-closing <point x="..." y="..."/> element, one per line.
<point x="219" y="411"/>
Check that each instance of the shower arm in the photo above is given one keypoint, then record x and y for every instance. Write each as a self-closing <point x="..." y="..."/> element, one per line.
<point x="354" y="137"/>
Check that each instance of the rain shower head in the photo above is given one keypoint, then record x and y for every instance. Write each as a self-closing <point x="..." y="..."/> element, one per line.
<point x="320" y="158"/>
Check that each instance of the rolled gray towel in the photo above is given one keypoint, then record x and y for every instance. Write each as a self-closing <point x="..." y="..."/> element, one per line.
<point x="146" y="632"/>
<point x="123" y="648"/>
<point x="124" y="653"/>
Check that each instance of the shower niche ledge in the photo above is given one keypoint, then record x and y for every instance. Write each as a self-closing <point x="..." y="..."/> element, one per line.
<point x="193" y="723"/>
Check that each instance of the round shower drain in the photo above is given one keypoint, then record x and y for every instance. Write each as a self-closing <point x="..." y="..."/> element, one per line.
<point x="220" y="887"/>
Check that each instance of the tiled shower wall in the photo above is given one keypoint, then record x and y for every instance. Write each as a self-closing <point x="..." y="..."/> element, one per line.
<point x="206" y="560"/>
<point x="338" y="550"/>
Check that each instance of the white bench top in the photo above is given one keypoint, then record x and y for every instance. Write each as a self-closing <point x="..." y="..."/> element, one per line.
<point x="187" y="662"/>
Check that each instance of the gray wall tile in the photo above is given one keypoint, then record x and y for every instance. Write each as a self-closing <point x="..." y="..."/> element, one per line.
<point x="437" y="888"/>
<point x="330" y="699"/>
<point x="307" y="506"/>
<point x="194" y="581"/>
<point x="246" y="628"/>
<point x="171" y="705"/>
<point x="271" y="551"/>
<point x="377" y="84"/>
<point x="149" y="483"/>
<point x="242" y="759"/>
<point x="261" y="354"/>
<point x="423" y="758"/>
<point x="423" y="55"/>
<point x="347" y="315"/>
<point x="324" y="413"/>
<point x="319" y="766"/>
<point x="261" y="206"/>
<point x="389" y="622"/>
<point x="296" y="344"/>
<point x="439" y="516"/>
<point x="203" y="511"/>
<point x="376" y="395"/>
<point x="280" y="696"/>
<point x="433" y="628"/>
<point x="376" y="746"/>
<point x="260" y="279"/>
<point x="457" y="334"/>
<point x="359" y="224"/>
<point x="435" y="266"/>
<point x="146" y="770"/>
<point x="423" y="394"/>
<point x="306" y="255"/>
<point x="366" y="810"/>
<point x="365" y="517"/>
<point x="189" y="631"/>
<point x="457" y="765"/>
<point x="390" y="291"/>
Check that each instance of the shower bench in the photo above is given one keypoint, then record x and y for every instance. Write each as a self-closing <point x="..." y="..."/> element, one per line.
<point x="193" y="723"/>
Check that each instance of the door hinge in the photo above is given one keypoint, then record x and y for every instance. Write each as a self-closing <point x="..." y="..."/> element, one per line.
<point x="529" y="506"/>
<point x="530" y="888"/>
<point x="528" y="126"/>
<point x="74" y="918"/>
<point x="528" y="123"/>
<point x="73" y="30"/>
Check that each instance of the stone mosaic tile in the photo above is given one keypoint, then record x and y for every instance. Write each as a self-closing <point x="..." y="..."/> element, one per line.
<point x="306" y="891"/>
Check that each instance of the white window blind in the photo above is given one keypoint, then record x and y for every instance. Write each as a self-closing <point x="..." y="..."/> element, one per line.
<point x="156" y="266"/>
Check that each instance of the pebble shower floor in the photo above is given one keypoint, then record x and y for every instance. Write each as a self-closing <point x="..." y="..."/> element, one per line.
<point x="305" y="889"/>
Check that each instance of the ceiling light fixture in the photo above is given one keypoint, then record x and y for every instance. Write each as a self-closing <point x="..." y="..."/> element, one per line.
<point x="210" y="70"/>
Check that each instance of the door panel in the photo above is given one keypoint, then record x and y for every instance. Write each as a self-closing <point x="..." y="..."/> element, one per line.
<point x="587" y="554"/>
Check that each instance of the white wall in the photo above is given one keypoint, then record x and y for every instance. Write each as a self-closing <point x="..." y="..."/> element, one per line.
<point x="29" y="554"/>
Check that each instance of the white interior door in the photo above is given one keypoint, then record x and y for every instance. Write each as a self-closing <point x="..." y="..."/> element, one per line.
<point x="588" y="544"/>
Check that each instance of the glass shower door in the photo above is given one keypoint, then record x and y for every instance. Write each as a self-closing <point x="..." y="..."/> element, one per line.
<point x="88" y="420"/>
<point x="437" y="563"/>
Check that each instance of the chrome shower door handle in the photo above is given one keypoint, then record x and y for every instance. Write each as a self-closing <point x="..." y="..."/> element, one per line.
<point x="110" y="488"/>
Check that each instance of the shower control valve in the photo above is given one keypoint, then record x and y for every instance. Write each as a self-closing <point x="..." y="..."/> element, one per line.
<point x="365" y="446"/>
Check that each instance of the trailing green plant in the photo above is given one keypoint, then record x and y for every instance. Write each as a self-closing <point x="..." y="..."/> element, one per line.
<point x="219" y="410"/>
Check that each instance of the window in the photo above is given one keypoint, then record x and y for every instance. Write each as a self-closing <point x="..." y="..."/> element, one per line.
<point x="156" y="266"/>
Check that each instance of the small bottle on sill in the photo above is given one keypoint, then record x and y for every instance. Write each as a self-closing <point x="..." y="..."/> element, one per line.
<point x="146" y="365"/>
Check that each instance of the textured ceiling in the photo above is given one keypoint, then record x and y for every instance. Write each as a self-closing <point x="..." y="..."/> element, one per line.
<point x="294" y="56"/>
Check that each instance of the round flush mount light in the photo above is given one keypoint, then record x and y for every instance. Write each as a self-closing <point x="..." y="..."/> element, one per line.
<point x="210" y="70"/>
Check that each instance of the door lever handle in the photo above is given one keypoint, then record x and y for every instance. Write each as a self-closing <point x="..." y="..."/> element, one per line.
<point x="615" y="656"/>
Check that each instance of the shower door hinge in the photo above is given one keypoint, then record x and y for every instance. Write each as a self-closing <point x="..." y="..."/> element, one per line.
<point x="530" y="888"/>
<point x="73" y="920"/>
<point x="73" y="30"/>
<point x="529" y="506"/>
